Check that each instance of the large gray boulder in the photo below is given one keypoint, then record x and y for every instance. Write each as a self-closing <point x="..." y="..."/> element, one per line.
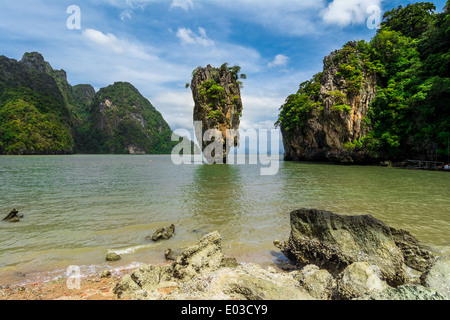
<point x="333" y="242"/>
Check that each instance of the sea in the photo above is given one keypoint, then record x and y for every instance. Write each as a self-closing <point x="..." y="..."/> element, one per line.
<point x="78" y="208"/>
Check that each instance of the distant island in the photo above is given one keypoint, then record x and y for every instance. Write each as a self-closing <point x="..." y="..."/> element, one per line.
<point x="387" y="99"/>
<point x="42" y="114"/>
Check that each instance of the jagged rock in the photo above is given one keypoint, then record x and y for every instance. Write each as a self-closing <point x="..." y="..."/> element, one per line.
<point x="112" y="256"/>
<point x="206" y="256"/>
<point x="126" y="287"/>
<point x="405" y="292"/>
<point x="415" y="255"/>
<point x="163" y="233"/>
<point x="218" y="106"/>
<point x="358" y="279"/>
<point x="318" y="283"/>
<point x="437" y="276"/>
<point x="201" y="272"/>
<point x="13" y="216"/>
<point x="333" y="242"/>
<point x="171" y="255"/>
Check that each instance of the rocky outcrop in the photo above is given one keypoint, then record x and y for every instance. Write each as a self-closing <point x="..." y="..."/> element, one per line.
<point x="163" y="233"/>
<point x="338" y="119"/>
<point x="218" y="106"/>
<point x="13" y="216"/>
<point x="202" y="272"/>
<point x="334" y="242"/>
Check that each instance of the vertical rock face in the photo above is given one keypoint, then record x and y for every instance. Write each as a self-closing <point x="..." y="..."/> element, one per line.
<point x="338" y="121"/>
<point x="218" y="104"/>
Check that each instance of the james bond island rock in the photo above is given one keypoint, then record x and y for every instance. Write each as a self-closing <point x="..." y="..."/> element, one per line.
<point x="326" y="119"/>
<point x="334" y="242"/>
<point x="218" y="106"/>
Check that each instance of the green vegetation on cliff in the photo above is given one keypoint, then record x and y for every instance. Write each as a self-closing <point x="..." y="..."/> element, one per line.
<point x="410" y="56"/>
<point x="121" y="120"/>
<point x="41" y="113"/>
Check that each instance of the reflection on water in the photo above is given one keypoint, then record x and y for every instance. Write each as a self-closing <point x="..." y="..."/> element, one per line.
<point x="215" y="195"/>
<point x="77" y="208"/>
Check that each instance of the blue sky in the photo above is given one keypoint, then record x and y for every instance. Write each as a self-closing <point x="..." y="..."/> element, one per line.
<point x="156" y="44"/>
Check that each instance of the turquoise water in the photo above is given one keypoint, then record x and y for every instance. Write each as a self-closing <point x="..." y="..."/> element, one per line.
<point x="78" y="208"/>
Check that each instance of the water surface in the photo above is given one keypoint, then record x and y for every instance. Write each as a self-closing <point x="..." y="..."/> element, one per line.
<point x="78" y="208"/>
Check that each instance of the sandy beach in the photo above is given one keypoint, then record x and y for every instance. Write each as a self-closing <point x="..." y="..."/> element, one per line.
<point x="92" y="287"/>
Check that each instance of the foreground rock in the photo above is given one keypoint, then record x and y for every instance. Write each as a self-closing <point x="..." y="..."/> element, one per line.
<point x="13" y="216"/>
<point x="334" y="242"/>
<point x="356" y="280"/>
<point x="405" y="292"/>
<point x="200" y="273"/>
<point x="437" y="276"/>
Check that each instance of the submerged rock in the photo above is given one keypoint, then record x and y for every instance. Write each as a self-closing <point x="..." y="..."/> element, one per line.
<point x="163" y="233"/>
<point x="333" y="242"/>
<point x="13" y="216"/>
<point x="112" y="256"/>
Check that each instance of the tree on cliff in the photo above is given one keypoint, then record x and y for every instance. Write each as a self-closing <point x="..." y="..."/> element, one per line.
<point x="410" y="113"/>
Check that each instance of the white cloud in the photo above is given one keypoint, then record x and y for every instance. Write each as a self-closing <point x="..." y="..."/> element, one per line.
<point x="183" y="4"/>
<point x="347" y="12"/>
<point x="187" y="36"/>
<point x="279" y="60"/>
<point x="109" y="40"/>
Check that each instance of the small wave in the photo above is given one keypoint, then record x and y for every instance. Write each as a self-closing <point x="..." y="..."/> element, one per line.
<point x="129" y="250"/>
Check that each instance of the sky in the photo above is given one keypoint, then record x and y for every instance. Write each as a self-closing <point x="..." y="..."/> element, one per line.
<point x="156" y="44"/>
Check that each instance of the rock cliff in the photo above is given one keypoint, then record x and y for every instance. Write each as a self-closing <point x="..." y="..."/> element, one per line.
<point x="218" y="105"/>
<point x="326" y="119"/>
<point x="41" y="113"/>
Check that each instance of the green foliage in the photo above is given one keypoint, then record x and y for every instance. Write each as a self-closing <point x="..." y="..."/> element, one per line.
<point x="24" y="130"/>
<point x="410" y="115"/>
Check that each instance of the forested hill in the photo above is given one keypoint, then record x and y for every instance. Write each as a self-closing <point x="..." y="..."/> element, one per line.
<point x="41" y="113"/>
<point x="387" y="99"/>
